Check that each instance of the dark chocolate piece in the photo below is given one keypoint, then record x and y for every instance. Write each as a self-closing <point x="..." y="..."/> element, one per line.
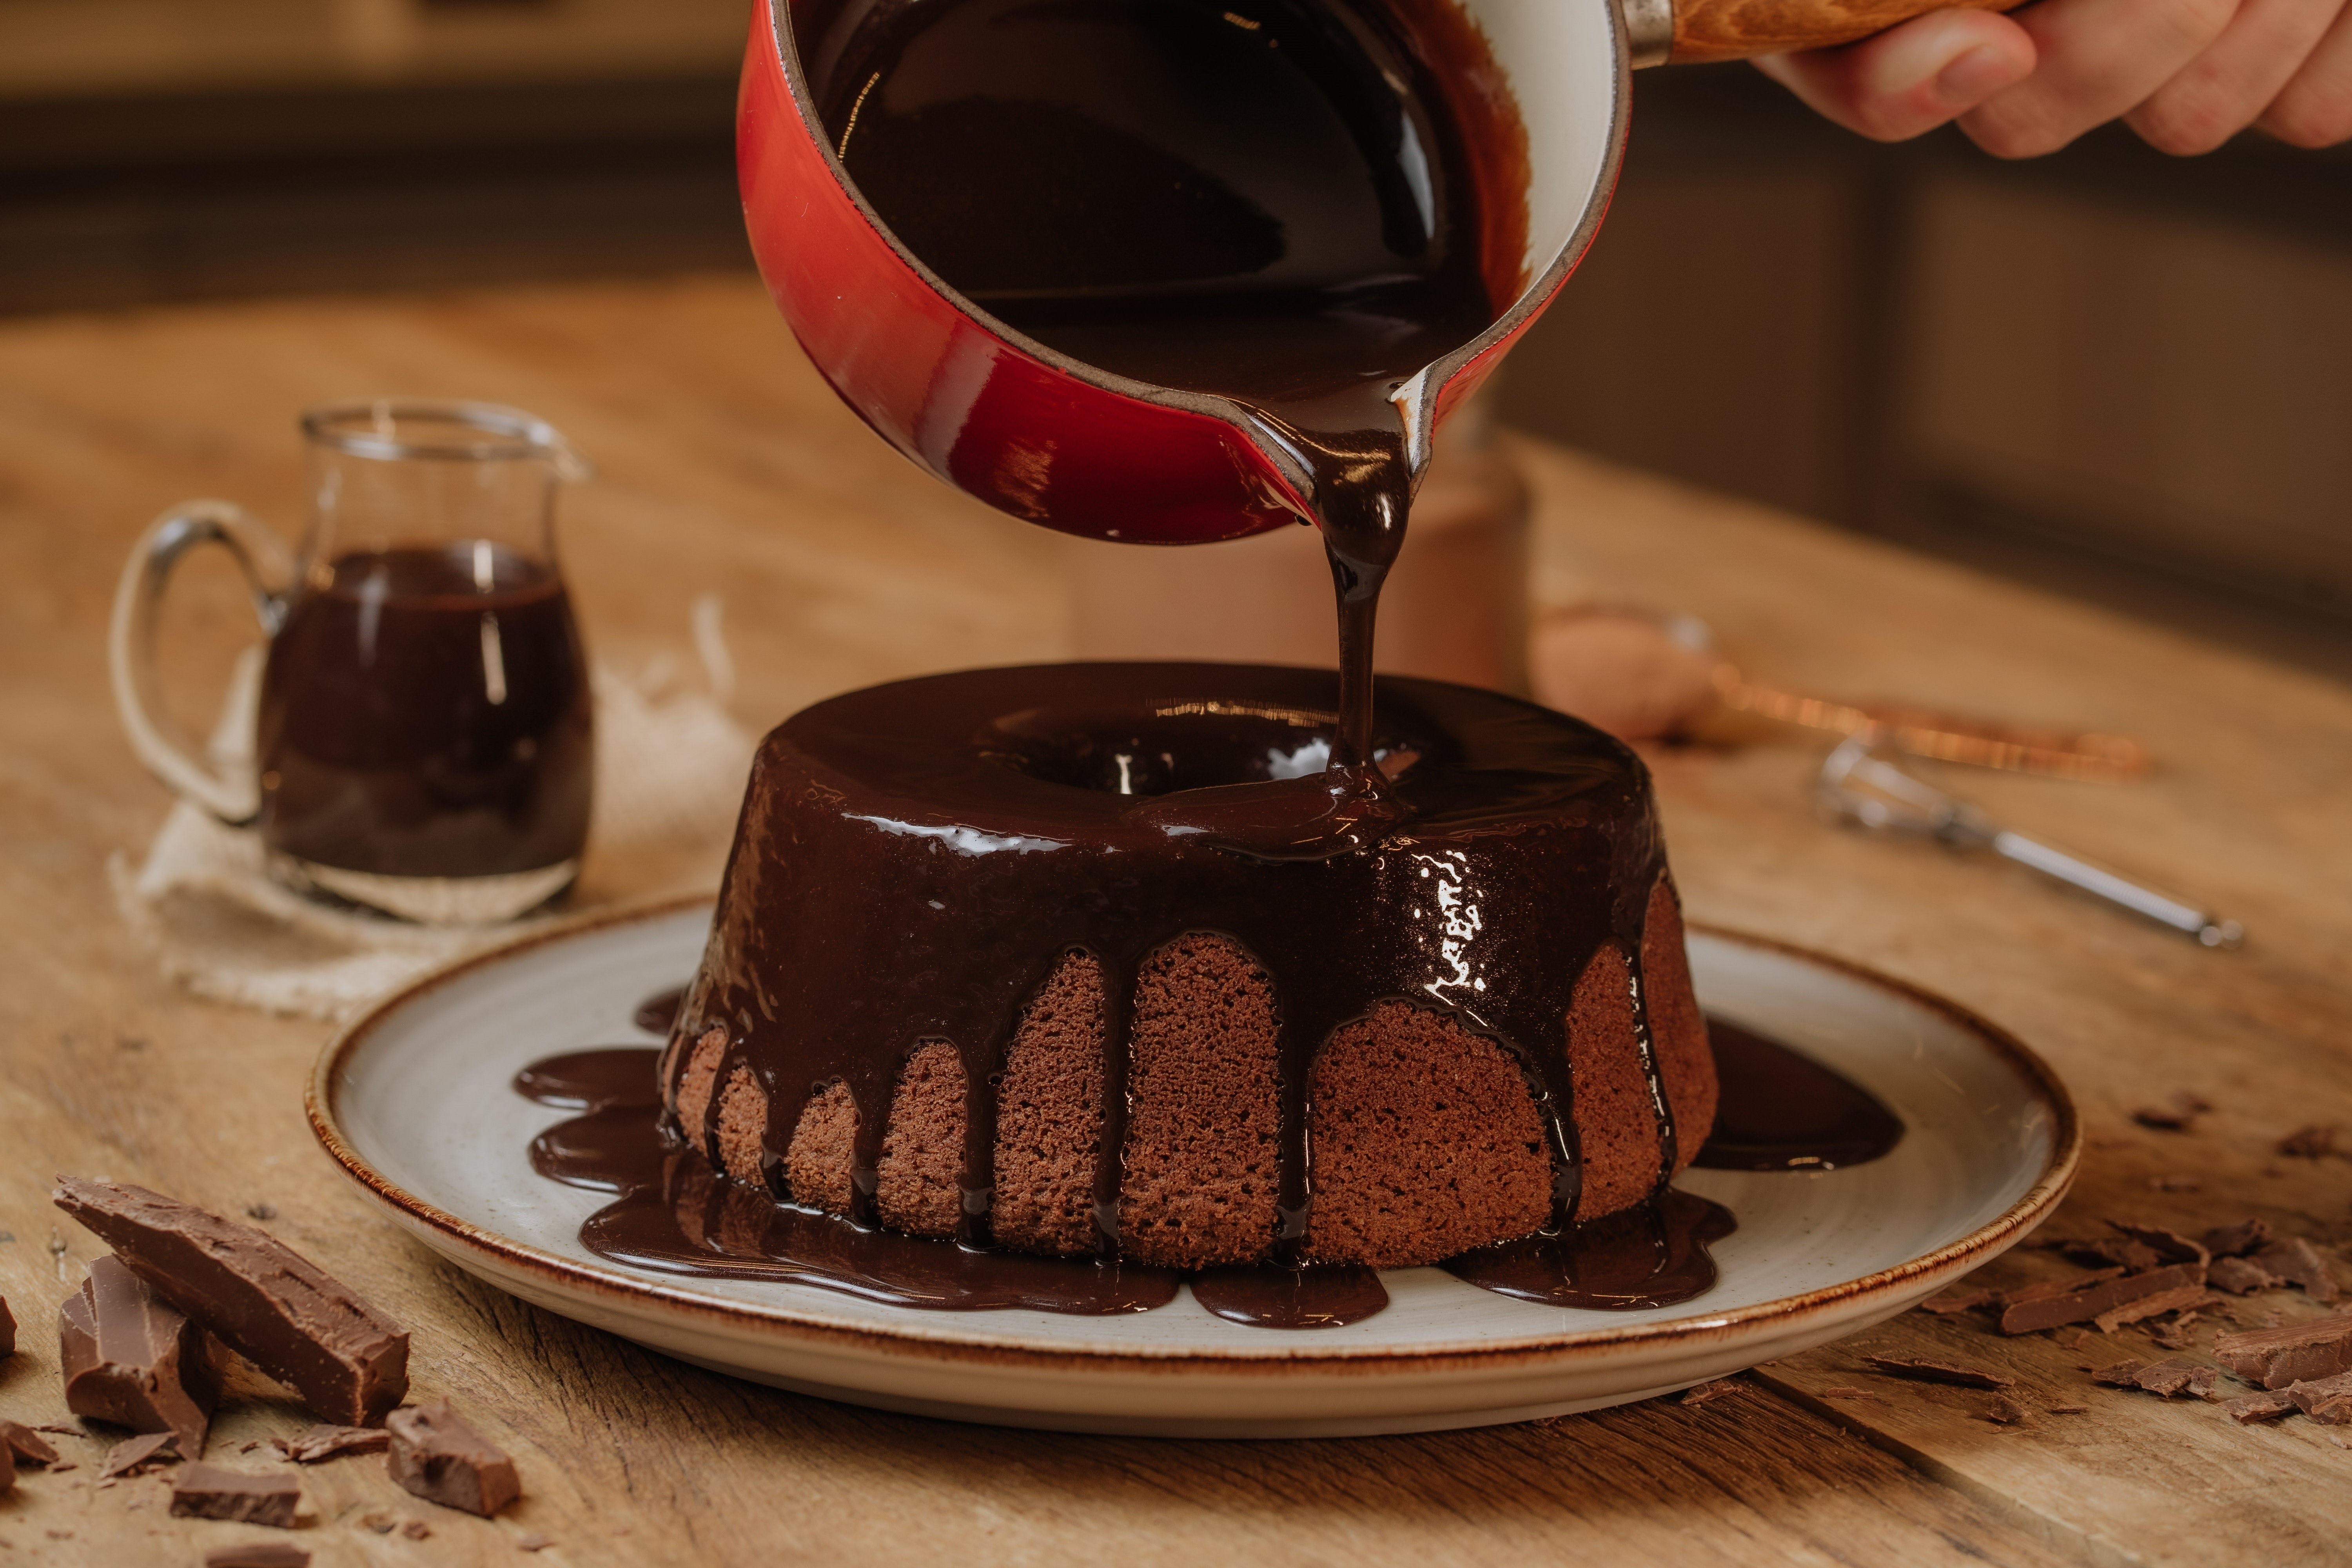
<point x="2249" y="1408"/>
<point x="2278" y="1358"/>
<point x="2299" y="1264"/>
<point x="2169" y="1377"/>
<point x="135" y="1456"/>
<point x="2031" y="1310"/>
<point x="2175" y="1115"/>
<point x="2313" y="1393"/>
<point x="2187" y="1299"/>
<point x="28" y="1445"/>
<point x="441" y="1460"/>
<point x="2336" y="1411"/>
<point x="1941" y="1371"/>
<point x="209" y="1492"/>
<point x="1946" y="1303"/>
<point x="258" y="1554"/>
<point x="2004" y="1411"/>
<point x="2169" y="1246"/>
<point x="2119" y="1374"/>
<point x="2241" y="1277"/>
<point x="131" y="1358"/>
<point x="320" y="1443"/>
<point x="2312" y="1143"/>
<point x="2236" y="1240"/>
<point x="2069" y="1409"/>
<point x="272" y="1305"/>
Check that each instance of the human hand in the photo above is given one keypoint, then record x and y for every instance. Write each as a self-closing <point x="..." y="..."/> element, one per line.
<point x="2187" y="75"/>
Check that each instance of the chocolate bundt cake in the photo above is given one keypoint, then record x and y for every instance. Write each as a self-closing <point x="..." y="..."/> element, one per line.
<point x="975" y="974"/>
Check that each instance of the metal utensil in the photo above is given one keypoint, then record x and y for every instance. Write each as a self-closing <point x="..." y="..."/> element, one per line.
<point x="1861" y="785"/>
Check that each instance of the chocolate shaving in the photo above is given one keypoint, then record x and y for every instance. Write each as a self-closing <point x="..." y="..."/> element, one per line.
<point x="210" y="1491"/>
<point x="2119" y="1374"/>
<point x="2241" y="1277"/>
<point x="2281" y="1357"/>
<point x="2313" y="1393"/>
<point x="321" y="1443"/>
<point x="2249" y="1408"/>
<point x="1946" y="1302"/>
<point x="2169" y="1246"/>
<point x="2187" y="1299"/>
<point x="2176" y="1114"/>
<point x="2316" y="1142"/>
<point x="2027" y="1311"/>
<point x="1940" y="1372"/>
<point x="1708" y="1392"/>
<point x="2004" y="1411"/>
<point x="2337" y="1412"/>
<point x="131" y="1358"/>
<point x="284" y="1314"/>
<point x="27" y="1445"/>
<point x="2053" y="1288"/>
<point x="135" y="1456"/>
<point x="258" y="1554"/>
<point x="2069" y="1409"/>
<point x="2169" y="1378"/>
<point x="441" y="1460"/>
<point x="2296" y="1262"/>
<point x="2236" y="1240"/>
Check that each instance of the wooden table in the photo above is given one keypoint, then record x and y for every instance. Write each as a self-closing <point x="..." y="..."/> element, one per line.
<point x="727" y="465"/>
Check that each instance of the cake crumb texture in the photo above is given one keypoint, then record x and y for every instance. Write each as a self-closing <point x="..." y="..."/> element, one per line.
<point x="701" y="1076"/>
<point x="1678" y="1028"/>
<point x="1049" y="1114"/>
<point x="1203" y="1130"/>
<point x="824" y="1150"/>
<point x="742" y="1126"/>
<point x="1426" y="1142"/>
<point x="1616" y="1126"/>
<point x="919" y="1178"/>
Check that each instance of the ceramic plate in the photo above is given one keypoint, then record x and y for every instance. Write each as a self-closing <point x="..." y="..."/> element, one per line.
<point x="413" y="1101"/>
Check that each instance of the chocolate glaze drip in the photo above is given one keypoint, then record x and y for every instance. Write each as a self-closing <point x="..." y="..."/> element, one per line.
<point x="1780" y="1111"/>
<point x="1526" y="842"/>
<point x="1654" y="1255"/>
<point x="1267" y="1296"/>
<point x="657" y="1013"/>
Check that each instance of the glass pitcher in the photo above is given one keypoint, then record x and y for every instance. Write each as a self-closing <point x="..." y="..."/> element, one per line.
<point x="425" y="740"/>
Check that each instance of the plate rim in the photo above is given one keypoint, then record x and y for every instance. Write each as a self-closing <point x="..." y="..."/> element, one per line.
<point x="766" y="1320"/>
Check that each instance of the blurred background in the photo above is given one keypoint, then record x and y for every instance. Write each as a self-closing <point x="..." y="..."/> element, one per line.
<point x="2109" y="373"/>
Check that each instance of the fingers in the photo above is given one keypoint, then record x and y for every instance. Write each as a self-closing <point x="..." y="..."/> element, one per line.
<point x="2223" y="89"/>
<point x="2098" y="59"/>
<point x="1911" y="78"/>
<point x="2314" y="108"/>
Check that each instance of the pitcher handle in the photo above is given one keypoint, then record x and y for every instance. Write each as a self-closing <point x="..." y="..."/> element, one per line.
<point x="130" y="642"/>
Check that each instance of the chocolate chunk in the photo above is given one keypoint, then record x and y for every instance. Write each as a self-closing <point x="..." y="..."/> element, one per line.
<point x="1946" y="1302"/>
<point x="2175" y="1114"/>
<point x="2027" y="1311"/>
<point x="135" y="1456"/>
<point x="333" y="1442"/>
<point x="2051" y="1288"/>
<point x="28" y="1445"/>
<point x="2241" y="1277"/>
<point x="1940" y="1372"/>
<point x="1708" y="1392"/>
<point x="2004" y="1411"/>
<point x="350" y="1363"/>
<point x="2119" y="1374"/>
<point x="2249" y="1408"/>
<point x="2169" y="1246"/>
<point x="2281" y="1357"/>
<point x="2312" y="1143"/>
<point x="2186" y="1299"/>
<point x="2170" y="1377"/>
<point x="443" y="1460"/>
<point x="131" y="1358"/>
<point x="2070" y="1410"/>
<point x="2298" y="1264"/>
<point x="2336" y="1411"/>
<point x="2313" y="1393"/>
<point x="2236" y="1240"/>
<point x="209" y="1492"/>
<point x="258" y="1554"/>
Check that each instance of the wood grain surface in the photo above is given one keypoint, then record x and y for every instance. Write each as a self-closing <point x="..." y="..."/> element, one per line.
<point x="1740" y="29"/>
<point x="727" y="466"/>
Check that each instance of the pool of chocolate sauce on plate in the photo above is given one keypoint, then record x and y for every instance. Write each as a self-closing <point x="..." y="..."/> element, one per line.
<point x="674" y="1213"/>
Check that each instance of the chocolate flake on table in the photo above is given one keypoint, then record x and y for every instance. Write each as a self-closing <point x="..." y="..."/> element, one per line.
<point x="1708" y="1392"/>
<point x="136" y="1455"/>
<point x="441" y="1460"/>
<point x="268" y="1302"/>
<point x="2316" y="1142"/>
<point x="2249" y="1408"/>
<point x="131" y="1358"/>
<point x="2067" y="1409"/>
<point x="2086" y="1300"/>
<point x="1941" y="1371"/>
<point x="258" y="1554"/>
<point x="2004" y="1411"/>
<point x="322" y="1443"/>
<point x="2314" y="1395"/>
<point x="2299" y="1263"/>
<point x="2176" y="1114"/>
<point x="2236" y="1240"/>
<point x="2280" y="1357"/>
<point x="2169" y="1246"/>
<point x="211" y="1491"/>
<point x="2241" y="1277"/>
<point x="415" y="1529"/>
<point x="25" y="1444"/>
<point x="1946" y="1302"/>
<point x="2169" y="1378"/>
<point x="7" y="1330"/>
<point x="2189" y="1298"/>
<point x="2119" y="1374"/>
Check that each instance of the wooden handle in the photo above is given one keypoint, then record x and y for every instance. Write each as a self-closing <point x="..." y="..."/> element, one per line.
<point x="1736" y="30"/>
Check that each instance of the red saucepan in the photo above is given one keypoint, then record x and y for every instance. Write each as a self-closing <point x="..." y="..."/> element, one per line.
<point x="1058" y="442"/>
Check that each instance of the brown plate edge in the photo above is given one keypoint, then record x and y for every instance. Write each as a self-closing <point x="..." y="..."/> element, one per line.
<point x="1979" y="1246"/>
